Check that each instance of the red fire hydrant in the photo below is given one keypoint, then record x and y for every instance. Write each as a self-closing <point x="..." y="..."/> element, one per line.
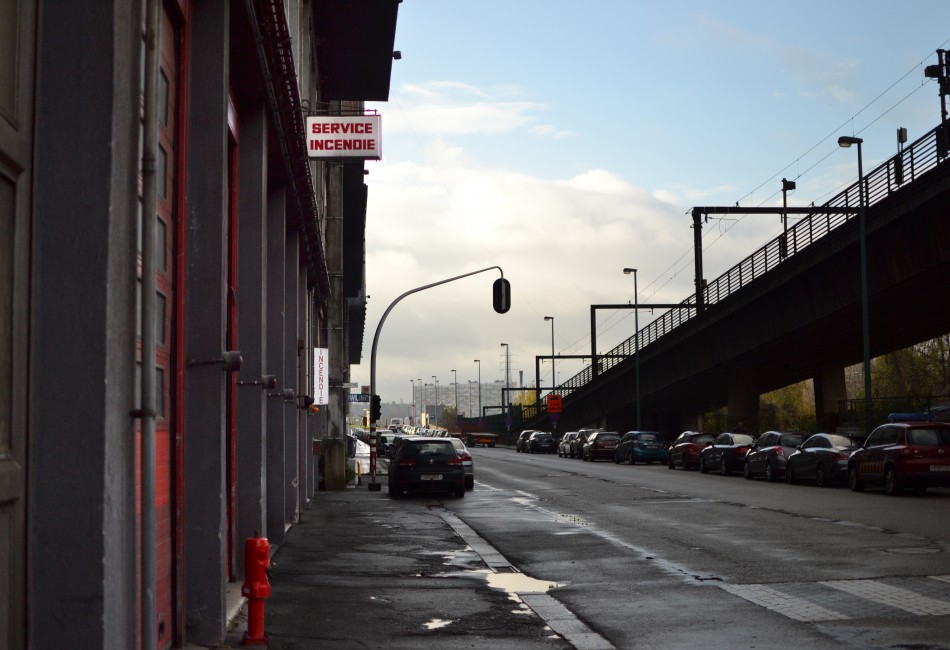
<point x="255" y="588"/>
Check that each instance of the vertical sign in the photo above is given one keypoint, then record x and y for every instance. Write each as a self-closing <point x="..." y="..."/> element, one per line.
<point x="321" y="394"/>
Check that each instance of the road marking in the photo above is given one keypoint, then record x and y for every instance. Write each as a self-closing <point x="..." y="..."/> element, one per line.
<point x="891" y="596"/>
<point x="555" y="615"/>
<point x="787" y="605"/>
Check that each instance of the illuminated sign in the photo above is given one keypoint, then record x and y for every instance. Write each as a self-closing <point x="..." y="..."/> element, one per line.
<point x="333" y="138"/>
<point x="321" y="372"/>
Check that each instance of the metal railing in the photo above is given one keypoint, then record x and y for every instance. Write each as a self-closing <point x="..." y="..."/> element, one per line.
<point x="907" y="166"/>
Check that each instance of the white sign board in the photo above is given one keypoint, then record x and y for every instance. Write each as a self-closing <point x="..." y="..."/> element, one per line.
<point x="333" y="138"/>
<point x="321" y="378"/>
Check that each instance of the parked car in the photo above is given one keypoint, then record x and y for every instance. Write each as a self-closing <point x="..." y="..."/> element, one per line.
<point x="726" y="454"/>
<point x="684" y="452"/>
<point x="521" y="444"/>
<point x="822" y="458"/>
<point x="468" y="463"/>
<point x="426" y="464"/>
<point x="600" y="444"/>
<point x="577" y="444"/>
<point x="907" y="452"/>
<point x="641" y="446"/>
<point x="564" y="445"/>
<point x="770" y="453"/>
<point x="541" y="442"/>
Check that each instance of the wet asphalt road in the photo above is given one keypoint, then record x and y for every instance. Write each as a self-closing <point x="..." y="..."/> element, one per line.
<point x="647" y="557"/>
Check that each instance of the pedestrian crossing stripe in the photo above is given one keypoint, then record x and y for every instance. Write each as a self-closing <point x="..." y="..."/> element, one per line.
<point x="828" y="600"/>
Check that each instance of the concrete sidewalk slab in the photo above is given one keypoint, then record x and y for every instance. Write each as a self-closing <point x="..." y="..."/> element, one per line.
<point x="362" y="570"/>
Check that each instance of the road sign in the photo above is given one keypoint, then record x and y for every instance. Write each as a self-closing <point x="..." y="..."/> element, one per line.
<point x="555" y="403"/>
<point x="359" y="397"/>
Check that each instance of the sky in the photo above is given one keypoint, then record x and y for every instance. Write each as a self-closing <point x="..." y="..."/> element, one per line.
<point x="564" y="141"/>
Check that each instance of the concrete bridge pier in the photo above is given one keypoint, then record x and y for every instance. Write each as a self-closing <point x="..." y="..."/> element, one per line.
<point x="829" y="390"/>
<point x="743" y="401"/>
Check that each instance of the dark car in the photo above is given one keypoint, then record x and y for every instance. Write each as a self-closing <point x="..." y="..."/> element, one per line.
<point x="577" y="444"/>
<point x="600" y="444"/>
<point x="425" y="464"/>
<point x="641" y="446"/>
<point x="726" y="454"/>
<point x="914" y="453"/>
<point x="521" y="444"/>
<point x="770" y="454"/>
<point x="822" y="458"/>
<point x="564" y="445"/>
<point x="684" y="452"/>
<point x="468" y="464"/>
<point x="541" y="442"/>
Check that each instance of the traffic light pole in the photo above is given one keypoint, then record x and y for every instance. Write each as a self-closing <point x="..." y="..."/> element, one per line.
<point x="501" y="298"/>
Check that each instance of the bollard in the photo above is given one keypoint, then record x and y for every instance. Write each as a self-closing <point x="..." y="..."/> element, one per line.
<point x="255" y="588"/>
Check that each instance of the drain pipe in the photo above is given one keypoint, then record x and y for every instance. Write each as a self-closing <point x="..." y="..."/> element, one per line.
<point x="149" y="329"/>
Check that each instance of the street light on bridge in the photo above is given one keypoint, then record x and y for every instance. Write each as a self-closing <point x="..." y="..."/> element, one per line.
<point x="846" y="141"/>
<point x="636" y="326"/>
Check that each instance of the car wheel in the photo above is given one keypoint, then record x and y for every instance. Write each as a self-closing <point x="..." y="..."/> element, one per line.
<point x="724" y="467"/>
<point x="470" y="484"/>
<point x="790" y="475"/>
<point x="633" y="461"/>
<point x="854" y="479"/>
<point x="891" y="486"/>
<point x="702" y="466"/>
<point x="821" y="477"/>
<point x="669" y="463"/>
<point x="616" y="459"/>
<point x="769" y="472"/>
<point x="460" y="494"/>
<point x="684" y="462"/>
<point x="747" y="471"/>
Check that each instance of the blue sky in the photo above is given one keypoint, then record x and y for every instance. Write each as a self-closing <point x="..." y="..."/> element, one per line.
<point x="564" y="141"/>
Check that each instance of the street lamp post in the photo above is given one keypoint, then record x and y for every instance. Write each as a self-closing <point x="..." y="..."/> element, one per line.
<point x="455" y="380"/>
<point x="479" y="388"/>
<point x="507" y="377"/>
<point x="553" y="375"/>
<point x="636" y="327"/>
<point x="436" y="382"/>
<point x="846" y="141"/>
<point x="469" y="398"/>
<point x="413" y="412"/>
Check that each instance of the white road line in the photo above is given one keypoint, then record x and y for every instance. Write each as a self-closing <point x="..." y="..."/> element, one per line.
<point x="896" y="597"/>
<point x="555" y="615"/>
<point x="792" y="607"/>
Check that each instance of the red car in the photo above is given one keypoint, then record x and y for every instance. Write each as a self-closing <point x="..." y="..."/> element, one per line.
<point x="600" y="444"/>
<point x="910" y="451"/>
<point x="685" y="450"/>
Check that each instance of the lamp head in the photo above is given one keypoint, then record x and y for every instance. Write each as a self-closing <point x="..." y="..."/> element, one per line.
<point x="629" y="271"/>
<point x="549" y="318"/>
<point x="848" y="140"/>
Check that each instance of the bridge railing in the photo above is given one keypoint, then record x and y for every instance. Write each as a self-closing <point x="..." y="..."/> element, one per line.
<point x="914" y="161"/>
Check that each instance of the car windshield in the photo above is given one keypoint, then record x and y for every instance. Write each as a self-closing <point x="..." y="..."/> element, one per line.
<point x="793" y="440"/>
<point x="841" y="441"/>
<point x="542" y="436"/>
<point x="430" y="449"/>
<point x="706" y="437"/>
<point x="742" y="439"/>
<point x="928" y="436"/>
<point x="607" y="436"/>
<point x="648" y="437"/>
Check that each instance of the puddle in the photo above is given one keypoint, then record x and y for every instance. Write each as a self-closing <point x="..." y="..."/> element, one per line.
<point x="436" y="624"/>
<point x="519" y="583"/>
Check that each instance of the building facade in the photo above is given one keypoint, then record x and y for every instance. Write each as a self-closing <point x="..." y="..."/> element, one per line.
<point x="169" y="258"/>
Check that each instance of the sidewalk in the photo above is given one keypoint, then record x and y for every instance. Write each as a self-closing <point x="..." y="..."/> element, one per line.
<point x="362" y="570"/>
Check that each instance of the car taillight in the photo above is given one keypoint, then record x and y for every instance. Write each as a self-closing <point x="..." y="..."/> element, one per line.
<point x="407" y="461"/>
<point x="454" y="461"/>
<point x="837" y="455"/>
<point x="779" y="451"/>
<point x="910" y="451"/>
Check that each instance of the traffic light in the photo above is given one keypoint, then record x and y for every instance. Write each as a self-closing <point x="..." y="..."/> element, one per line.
<point x="501" y="295"/>
<point x="375" y="412"/>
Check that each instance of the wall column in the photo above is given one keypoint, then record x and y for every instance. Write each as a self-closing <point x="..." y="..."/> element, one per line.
<point x="830" y="389"/>
<point x="276" y="228"/>
<point x="205" y="442"/>
<point x="743" y="400"/>
<point x="251" y="315"/>
<point x="291" y="277"/>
